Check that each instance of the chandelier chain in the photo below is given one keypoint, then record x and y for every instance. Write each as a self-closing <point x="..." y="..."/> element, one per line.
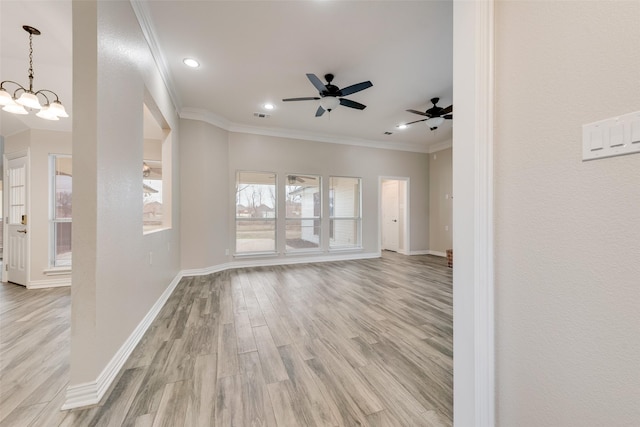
<point x="30" y="62"/>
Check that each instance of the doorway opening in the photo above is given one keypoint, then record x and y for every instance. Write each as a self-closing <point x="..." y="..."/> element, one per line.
<point x="394" y="214"/>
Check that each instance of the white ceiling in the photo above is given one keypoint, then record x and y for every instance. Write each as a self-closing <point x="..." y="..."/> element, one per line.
<point x="253" y="52"/>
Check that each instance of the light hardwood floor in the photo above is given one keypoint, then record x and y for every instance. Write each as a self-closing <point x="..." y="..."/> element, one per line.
<point x="353" y="343"/>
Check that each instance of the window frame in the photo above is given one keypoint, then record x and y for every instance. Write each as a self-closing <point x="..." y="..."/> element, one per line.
<point x="157" y="134"/>
<point x="249" y="219"/>
<point x="317" y="220"/>
<point x="53" y="218"/>
<point x="357" y="245"/>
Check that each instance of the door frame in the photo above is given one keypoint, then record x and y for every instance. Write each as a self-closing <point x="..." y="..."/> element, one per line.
<point x="6" y="157"/>
<point x="406" y="236"/>
<point x="474" y="370"/>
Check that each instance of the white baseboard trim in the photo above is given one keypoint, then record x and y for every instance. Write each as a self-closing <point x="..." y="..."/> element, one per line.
<point x="49" y="283"/>
<point x="90" y="393"/>
<point x="436" y="253"/>
<point x="425" y="252"/>
<point x="206" y="270"/>
<point x="265" y="262"/>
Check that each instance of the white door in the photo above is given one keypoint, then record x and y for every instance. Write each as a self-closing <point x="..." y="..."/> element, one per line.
<point x="16" y="219"/>
<point x="390" y="216"/>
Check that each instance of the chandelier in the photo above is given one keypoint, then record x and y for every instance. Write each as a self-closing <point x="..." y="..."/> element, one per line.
<point x="52" y="108"/>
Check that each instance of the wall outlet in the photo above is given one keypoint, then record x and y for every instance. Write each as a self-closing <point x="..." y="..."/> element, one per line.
<point x="150" y="258"/>
<point x="226" y="251"/>
<point x="446" y="228"/>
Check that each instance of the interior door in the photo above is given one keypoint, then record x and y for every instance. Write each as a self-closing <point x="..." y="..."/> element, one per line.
<point x="16" y="219"/>
<point x="390" y="216"/>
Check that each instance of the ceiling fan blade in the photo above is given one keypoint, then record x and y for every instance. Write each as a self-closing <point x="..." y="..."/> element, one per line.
<point x="319" y="111"/>
<point x="316" y="82"/>
<point x="446" y="110"/>
<point x="448" y="116"/>
<point x="410" y="123"/>
<point x="308" y="98"/>
<point x="352" y="104"/>
<point x="355" y="88"/>
<point x="419" y="112"/>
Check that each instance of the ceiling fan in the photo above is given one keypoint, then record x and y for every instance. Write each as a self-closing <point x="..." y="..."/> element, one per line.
<point x="151" y="171"/>
<point x="293" y="179"/>
<point x="435" y="115"/>
<point x="331" y="96"/>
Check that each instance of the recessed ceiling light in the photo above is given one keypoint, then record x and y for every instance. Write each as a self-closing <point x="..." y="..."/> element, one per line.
<point x="269" y="106"/>
<point x="402" y="126"/>
<point x="190" y="62"/>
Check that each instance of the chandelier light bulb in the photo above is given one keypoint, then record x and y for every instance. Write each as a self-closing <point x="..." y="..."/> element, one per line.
<point x="47" y="114"/>
<point x="5" y="97"/>
<point x="57" y="108"/>
<point x="15" y="109"/>
<point x="29" y="100"/>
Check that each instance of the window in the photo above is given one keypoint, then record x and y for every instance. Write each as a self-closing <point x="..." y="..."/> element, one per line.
<point x="61" y="203"/>
<point x="304" y="212"/>
<point x="156" y="178"/>
<point x="344" y="212"/>
<point x="255" y="212"/>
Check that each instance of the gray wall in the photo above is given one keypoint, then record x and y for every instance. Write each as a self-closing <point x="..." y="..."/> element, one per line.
<point x="440" y="201"/>
<point x="205" y="196"/>
<point x="567" y="232"/>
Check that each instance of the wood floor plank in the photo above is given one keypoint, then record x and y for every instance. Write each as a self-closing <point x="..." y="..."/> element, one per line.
<point x="273" y="368"/>
<point x="244" y="333"/>
<point x="175" y="405"/>
<point x="258" y="410"/>
<point x="229" y="405"/>
<point x="114" y="410"/>
<point x="227" y="351"/>
<point x="204" y="389"/>
<point x="306" y="393"/>
<point x="282" y="406"/>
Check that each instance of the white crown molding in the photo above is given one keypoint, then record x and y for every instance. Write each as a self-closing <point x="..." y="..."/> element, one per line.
<point x="223" y="123"/>
<point x="439" y="146"/>
<point x="141" y="11"/>
<point x="205" y="116"/>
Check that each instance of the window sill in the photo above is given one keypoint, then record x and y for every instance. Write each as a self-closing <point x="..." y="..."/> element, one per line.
<point x="304" y="252"/>
<point x="255" y="254"/>
<point x="349" y="249"/>
<point x="155" y="230"/>
<point x="57" y="271"/>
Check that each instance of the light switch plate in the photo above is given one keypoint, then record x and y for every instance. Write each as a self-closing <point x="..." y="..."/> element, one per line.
<point x="615" y="136"/>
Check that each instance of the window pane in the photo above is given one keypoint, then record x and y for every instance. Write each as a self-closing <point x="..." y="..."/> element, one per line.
<point x="344" y="233"/>
<point x="152" y="207"/>
<point x="344" y="197"/>
<point x="255" y="212"/>
<point x="155" y="170"/>
<point x="303" y="234"/>
<point x="63" y="189"/>
<point x="303" y="196"/>
<point x="255" y="235"/>
<point x="256" y="195"/>
<point x="62" y="244"/>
